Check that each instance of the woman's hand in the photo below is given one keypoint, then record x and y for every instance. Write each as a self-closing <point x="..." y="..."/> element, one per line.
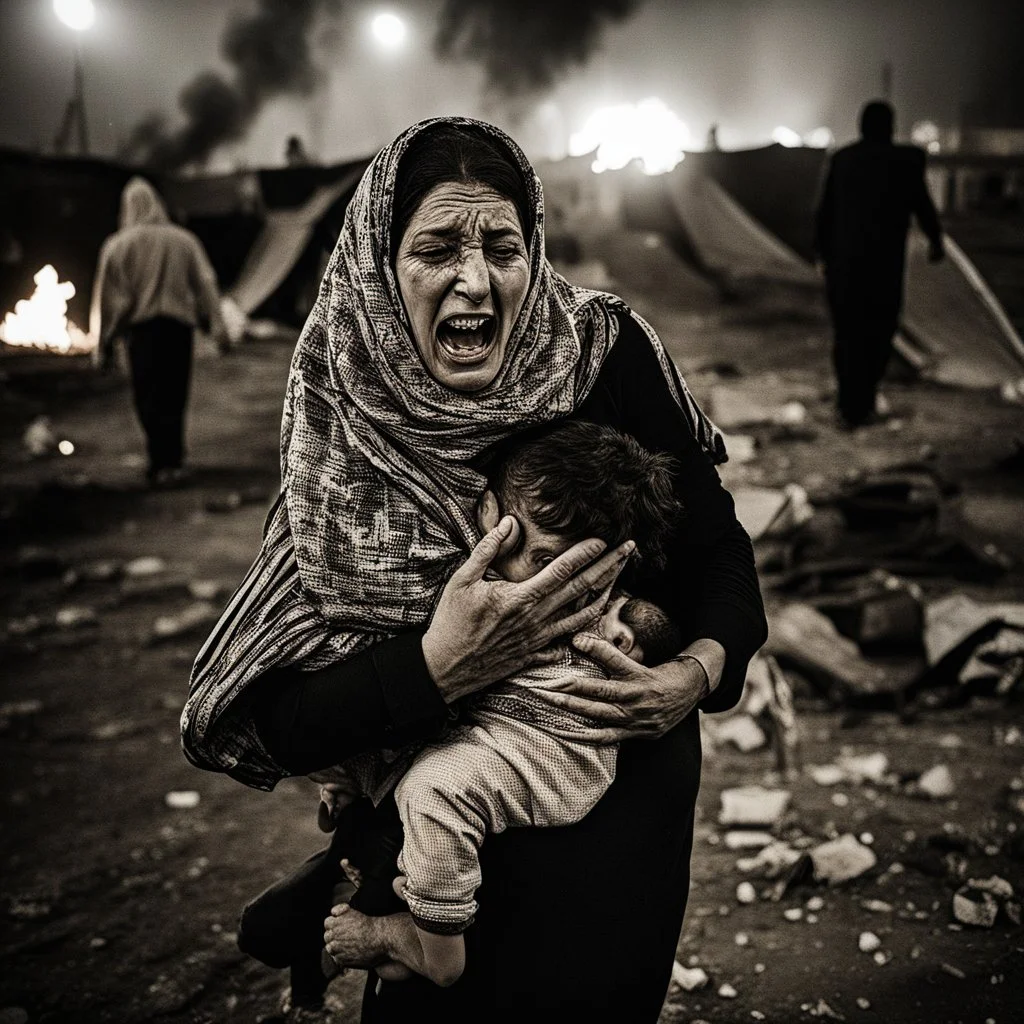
<point x="636" y="702"/>
<point x="487" y="630"/>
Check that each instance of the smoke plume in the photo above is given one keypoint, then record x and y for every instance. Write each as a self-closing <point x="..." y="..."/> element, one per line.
<point x="270" y="54"/>
<point x="526" y="46"/>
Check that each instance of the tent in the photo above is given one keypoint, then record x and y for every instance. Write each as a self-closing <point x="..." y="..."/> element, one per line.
<point x="748" y="216"/>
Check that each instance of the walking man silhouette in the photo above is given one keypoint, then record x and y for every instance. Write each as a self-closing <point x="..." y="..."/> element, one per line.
<point x="871" y="190"/>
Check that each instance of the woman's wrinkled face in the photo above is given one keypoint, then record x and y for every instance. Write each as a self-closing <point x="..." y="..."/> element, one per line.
<point x="463" y="272"/>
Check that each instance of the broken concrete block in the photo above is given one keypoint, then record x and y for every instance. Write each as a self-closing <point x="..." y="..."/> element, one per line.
<point x="747" y="840"/>
<point x="826" y="774"/>
<point x="741" y="731"/>
<point x="147" y="565"/>
<point x="864" y="767"/>
<point x="974" y="907"/>
<point x="770" y="862"/>
<point x="937" y="783"/>
<point x="689" y="979"/>
<point x="842" y="859"/>
<point x="753" y="805"/>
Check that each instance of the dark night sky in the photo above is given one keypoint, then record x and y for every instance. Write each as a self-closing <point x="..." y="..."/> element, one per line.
<point x="748" y="64"/>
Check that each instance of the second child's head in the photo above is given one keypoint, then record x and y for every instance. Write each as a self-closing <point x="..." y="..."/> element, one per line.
<point x="576" y="481"/>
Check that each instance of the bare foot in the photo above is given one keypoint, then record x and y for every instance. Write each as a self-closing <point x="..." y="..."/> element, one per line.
<point x="353" y="939"/>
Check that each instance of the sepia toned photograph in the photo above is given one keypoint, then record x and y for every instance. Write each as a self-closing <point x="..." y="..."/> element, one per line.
<point x="511" y="511"/>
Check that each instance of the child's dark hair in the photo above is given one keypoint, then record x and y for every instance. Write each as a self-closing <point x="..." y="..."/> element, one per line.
<point x="585" y="480"/>
<point x="660" y="638"/>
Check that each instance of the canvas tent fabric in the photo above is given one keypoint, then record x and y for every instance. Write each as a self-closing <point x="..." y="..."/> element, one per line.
<point x="729" y="241"/>
<point x="953" y="329"/>
<point x="280" y="244"/>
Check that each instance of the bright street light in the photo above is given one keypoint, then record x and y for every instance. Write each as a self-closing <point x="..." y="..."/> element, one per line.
<point x="76" y="14"/>
<point x="389" y="30"/>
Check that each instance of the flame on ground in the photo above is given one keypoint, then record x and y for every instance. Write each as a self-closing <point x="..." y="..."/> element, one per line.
<point x="41" y="321"/>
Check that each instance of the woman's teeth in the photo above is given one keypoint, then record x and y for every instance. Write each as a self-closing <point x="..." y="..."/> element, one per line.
<point x="465" y="338"/>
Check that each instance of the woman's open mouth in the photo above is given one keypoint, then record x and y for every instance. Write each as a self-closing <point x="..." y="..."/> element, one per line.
<point x="467" y="337"/>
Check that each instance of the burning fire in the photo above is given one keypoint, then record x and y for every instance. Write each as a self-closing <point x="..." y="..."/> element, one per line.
<point x="647" y="131"/>
<point x="41" y="321"/>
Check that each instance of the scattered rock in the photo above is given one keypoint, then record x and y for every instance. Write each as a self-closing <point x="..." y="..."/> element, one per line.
<point x="864" y="767"/>
<point x="842" y="859"/>
<point x="746" y="893"/>
<point x="39" y="438"/>
<point x="689" y="979"/>
<point x="753" y="805"/>
<point x="868" y="942"/>
<point x="793" y="914"/>
<point x="770" y="862"/>
<point x="205" y="590"/>
<point x="168" y="627"/>
<point x="826" y="774"/>
<point x="747" y="839"/>
<point x="14" y="1015"/>
<point x="147" y="565"/>
<point x="182" y="799"/>
<point x="726" y="991"/>
<point x="937" y="783"/>
<point x="953" y="972"/>
<point x="741" y="731"/>
<point x="877" y="906"/>
<point x="76" y="616"/>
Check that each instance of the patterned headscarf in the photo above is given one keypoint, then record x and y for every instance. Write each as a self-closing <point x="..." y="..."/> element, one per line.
<point x="377" y="460"/>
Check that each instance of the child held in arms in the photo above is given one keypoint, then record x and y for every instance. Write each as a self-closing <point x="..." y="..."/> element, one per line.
<point x="516" y="758"/>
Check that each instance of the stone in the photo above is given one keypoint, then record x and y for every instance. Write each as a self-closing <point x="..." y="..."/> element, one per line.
<point x="747" y="840"/>
<point x="868" y="942"/>
<point x="742" y="732"/>
<point x="75" y="616"/>
<point x="864" y="767"/>
<point x="689" y="979"/>
<point x="975" y="908"/>
<point x="167" y="627"/>
<point x="770" y="862"/>
<point x="937" y="783"/>
<point x="147" y="565"/>
<point x="746" y="893"/>
<point x="841" y="859"/>
<point x="753" y="806"/>
<point x="182" y="799"/>
<point x="726" y="991"/>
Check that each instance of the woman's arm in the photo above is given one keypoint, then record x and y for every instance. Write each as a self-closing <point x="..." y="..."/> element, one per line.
<point x="398" y="691"/>
<point x="709" y="584"/>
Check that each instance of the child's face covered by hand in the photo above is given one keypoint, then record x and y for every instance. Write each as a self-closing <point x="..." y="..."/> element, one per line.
<point x="612" y="628"/>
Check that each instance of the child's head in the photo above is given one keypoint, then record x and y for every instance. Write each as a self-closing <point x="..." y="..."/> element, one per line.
<point x="640" y="629"/>
<point x="576" y="481"/>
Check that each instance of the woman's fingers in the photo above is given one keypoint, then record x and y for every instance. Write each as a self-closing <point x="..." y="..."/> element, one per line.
<point x="553" y="590"/>
<point x="592" y="698"/>
<point x="564" y="569"/>
<point x="605" y="654"/>
<point x="488" y="548"/>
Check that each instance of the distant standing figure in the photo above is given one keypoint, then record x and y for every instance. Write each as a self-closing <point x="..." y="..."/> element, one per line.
<point x="295" y="154"/>
<point x="872" y="188"/>
<point x="154" y="285"/>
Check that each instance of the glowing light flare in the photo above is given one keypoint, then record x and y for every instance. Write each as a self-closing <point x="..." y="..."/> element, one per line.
<point x="819" y="138"/>
<point x="646" y="131"/>
<point x="926" y="134"/>
<point x="41" y="321"/>
<point x="389" y="30"/>
<point x="76" y="14"/>
<point x="787" y="137"/>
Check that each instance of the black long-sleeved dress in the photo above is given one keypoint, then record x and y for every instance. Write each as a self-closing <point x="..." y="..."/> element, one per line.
<point x="580" y="921"/>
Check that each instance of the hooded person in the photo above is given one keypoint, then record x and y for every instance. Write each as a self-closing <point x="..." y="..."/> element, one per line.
<point x="154" y="285"/>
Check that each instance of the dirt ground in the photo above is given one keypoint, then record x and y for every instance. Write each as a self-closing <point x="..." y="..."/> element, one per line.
<point x="120" y="908"/>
